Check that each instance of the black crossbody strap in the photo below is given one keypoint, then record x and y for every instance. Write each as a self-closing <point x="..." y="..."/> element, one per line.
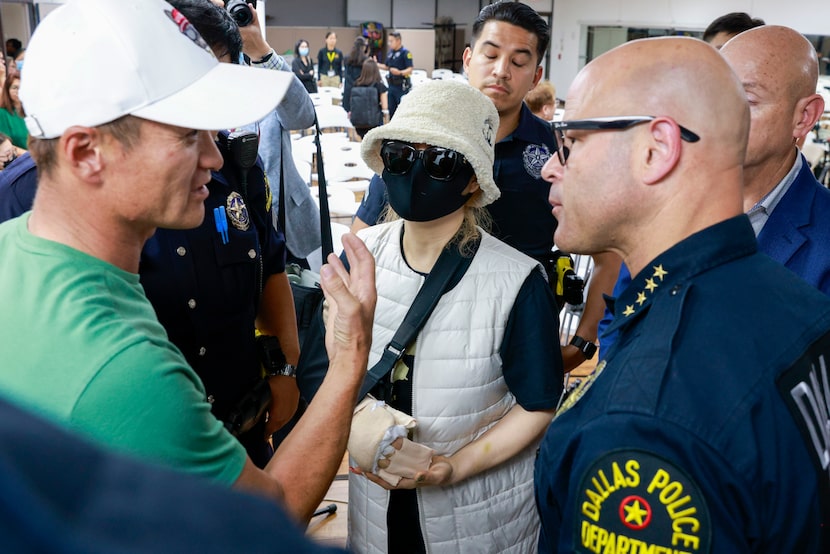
<point x="447" y="272"/>
<point x="325" y="217"/>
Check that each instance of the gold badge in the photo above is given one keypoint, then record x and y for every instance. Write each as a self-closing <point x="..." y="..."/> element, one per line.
<point x="238" y="211"/>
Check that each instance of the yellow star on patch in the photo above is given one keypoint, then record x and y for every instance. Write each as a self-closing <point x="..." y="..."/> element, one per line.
<point x="659" y="271"/>
<point x="634" y="513"/>
<point x="641" y="297"/>
<point x="650" y="285"/>
<point x="628" y="310"/>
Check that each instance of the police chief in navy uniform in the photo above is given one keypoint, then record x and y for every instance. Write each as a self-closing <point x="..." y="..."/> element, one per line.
<point x="706" y="427"/>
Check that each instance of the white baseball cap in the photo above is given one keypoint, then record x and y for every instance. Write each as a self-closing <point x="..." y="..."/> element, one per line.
<point x="90" y="62"/>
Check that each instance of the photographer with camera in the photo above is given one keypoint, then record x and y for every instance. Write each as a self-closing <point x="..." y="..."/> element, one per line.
<point x="294" y="113"/>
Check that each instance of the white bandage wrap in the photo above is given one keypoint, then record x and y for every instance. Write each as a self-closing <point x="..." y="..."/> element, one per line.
<point x="375" y="426"/>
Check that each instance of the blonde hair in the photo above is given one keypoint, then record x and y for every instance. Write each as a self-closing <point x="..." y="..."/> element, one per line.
<point x="543" y="94"/>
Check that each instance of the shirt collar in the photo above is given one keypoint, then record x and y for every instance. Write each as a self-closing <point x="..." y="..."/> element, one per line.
<point x="713" y="246"/>
<point x="760" y="212"/>
<point x="530" y="129"/>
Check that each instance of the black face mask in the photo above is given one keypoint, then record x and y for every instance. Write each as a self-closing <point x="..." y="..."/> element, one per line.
<point x="415" y="196"/>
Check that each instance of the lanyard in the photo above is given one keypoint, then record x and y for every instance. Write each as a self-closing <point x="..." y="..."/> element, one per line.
<point x="331" y="56"/>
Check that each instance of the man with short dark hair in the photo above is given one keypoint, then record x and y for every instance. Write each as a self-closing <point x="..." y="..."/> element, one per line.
<point x="399" y="64"/>
<point x="704" y="428"/>
<point x="13" y="47"/>
<point x="504" y="62"/>
<point x="727" y="26"/>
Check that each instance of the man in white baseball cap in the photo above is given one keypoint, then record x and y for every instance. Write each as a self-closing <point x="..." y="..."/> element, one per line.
<point x="123" y="144"/>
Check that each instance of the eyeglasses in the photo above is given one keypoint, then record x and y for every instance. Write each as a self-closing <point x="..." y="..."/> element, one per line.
<point x="604" y="124"/>
<point x="440" y="163"/>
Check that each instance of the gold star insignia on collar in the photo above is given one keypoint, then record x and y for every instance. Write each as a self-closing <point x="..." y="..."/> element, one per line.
<point x="641" y="297"/>
<point x="659" y="272"/>
<point x="628" y="310"/>
<point x="650" y="285"/>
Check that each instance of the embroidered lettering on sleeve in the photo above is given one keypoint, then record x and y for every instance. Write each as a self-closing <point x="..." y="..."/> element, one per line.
<point x="635" y="501"/>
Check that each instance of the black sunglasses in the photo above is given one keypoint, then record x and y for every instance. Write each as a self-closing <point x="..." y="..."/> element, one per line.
<point x="603" y="124"/>
<point x="440" y="163"/>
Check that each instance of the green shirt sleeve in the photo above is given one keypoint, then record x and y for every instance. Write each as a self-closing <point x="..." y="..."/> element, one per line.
<point x="147" y="401"/>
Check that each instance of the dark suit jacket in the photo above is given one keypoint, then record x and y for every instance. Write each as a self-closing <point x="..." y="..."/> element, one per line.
<point x="797" y="233"/>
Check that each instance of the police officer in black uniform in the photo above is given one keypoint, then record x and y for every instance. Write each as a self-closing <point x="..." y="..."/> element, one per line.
<point x="213" y="285"/>
<point x="399" y="64"/>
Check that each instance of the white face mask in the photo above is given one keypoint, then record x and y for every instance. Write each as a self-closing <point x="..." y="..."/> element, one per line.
<point x="303" y="51"/>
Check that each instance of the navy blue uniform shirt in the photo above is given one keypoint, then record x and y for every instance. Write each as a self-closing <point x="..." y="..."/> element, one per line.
<point x="399" y="59"/>
<point x="206" y="292"/>
<point x="374" y="201"/>
<point x="18" y="184"/>
<point x="105" y="502"/>
<point x="706" y="429"/>
<point x="522" y="215"/>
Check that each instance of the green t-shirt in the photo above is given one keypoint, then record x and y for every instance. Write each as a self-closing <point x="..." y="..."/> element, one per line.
<point x="80" y="343"/>
<point x="15" y="127"/>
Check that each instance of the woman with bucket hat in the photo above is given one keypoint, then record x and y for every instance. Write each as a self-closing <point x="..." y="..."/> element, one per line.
<point x="445" y="460"/>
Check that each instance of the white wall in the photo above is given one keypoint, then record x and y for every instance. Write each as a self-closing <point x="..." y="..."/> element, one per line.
<point x="571" y="18"/>
<point x="15" y="18"/>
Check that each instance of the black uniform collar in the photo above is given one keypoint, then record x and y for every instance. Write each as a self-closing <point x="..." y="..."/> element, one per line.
<point x="711" y="247"/>
<point x="531" y="129"/>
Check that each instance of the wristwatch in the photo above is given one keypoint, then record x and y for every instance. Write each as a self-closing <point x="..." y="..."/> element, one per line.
<point x="287" y="370"/>
<point x="587" y="348"/>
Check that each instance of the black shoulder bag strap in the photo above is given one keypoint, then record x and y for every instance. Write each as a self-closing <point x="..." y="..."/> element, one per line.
<point x="447" y="272"/>
<point x="325" y="217"/>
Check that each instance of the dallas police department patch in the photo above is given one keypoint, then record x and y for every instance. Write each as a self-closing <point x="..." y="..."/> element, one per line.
<point x="534" y="157"/>
<point x="632" y="501"/>
<point x="238" y="211"/>
<point x="187" y="29"/>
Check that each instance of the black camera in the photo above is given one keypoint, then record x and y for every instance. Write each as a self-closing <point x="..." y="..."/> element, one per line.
<point x="240" y="11"/>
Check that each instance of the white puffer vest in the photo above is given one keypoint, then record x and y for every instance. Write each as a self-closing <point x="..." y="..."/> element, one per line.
<point x="458" y="393"/>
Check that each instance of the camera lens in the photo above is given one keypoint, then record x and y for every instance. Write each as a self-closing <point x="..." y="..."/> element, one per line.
<point x="240" y="12"/>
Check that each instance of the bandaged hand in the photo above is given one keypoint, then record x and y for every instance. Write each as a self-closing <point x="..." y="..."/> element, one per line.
<point x="375" y="427"/>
